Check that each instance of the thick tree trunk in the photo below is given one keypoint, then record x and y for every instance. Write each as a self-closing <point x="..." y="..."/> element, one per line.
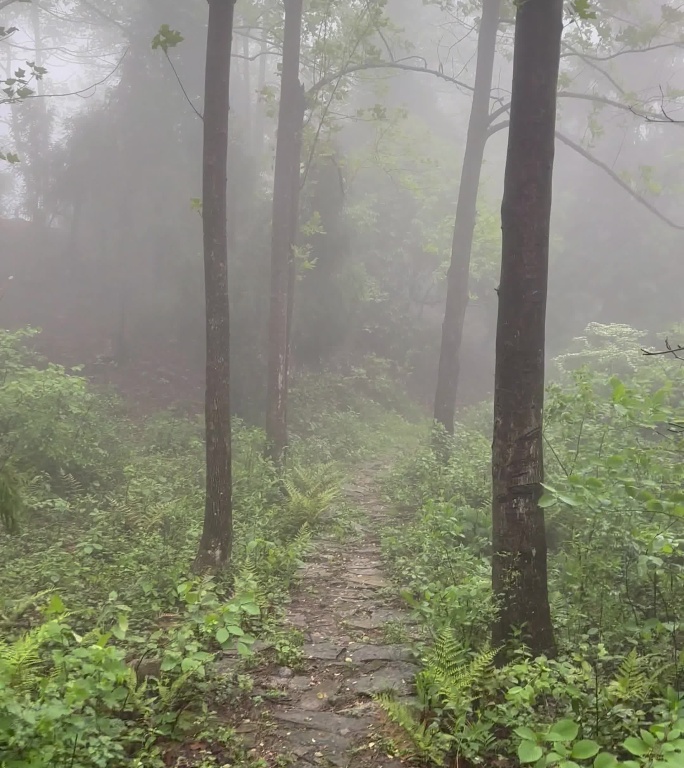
<point x="519" y="537"/>
<point x="215" y="544"/>
<point x="466" y="215"/>
<point x="285" y="218"/>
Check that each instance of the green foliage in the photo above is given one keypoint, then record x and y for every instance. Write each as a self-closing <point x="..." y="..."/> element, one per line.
<point x="11" y="497"/>
<point x="615" y="528"/>
<point x="661" y="744"/>
<point x="310" y="493"/>
<point x="613" y="349"/>
<point x="442" y="722"/>
<point x="71" y="698"/>
<point x="18" y="86"/>
<point x="166" y="38"/>
<point x="51" y="423"/>
<point x="350" y="415"/>
<point x="103" y="516"/>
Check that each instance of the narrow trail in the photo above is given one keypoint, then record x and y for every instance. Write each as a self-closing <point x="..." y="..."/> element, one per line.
<point x="323" y="713"/>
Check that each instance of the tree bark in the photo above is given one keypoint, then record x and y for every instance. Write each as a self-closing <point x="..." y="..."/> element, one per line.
<point x="40" y="131"/>
<point x="466" y="216"/>
<point x="247" y="95"/>
<point x="285" y="220"/>
<point x="519" y="568"/>
<point x="217" y="534"/>
<point x="259" y="111"/>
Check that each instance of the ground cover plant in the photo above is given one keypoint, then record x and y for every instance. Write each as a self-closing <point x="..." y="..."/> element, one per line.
<point x="108" y="638"/>
<point x="340" y="444"/>
<point x="614" y="505"/>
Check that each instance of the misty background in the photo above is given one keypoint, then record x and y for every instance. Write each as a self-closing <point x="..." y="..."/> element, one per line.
<point x="100" y="236"/>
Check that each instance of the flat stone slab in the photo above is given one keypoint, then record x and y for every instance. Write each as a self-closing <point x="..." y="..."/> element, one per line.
<point x="380" y="653"/>
<point x="324" y="721"/>
<point x="320" y="697"/>
<point x="376" y="620"/>
<point x="323" y="651"/>
<point x="320" y="746"/>
<point x="297" y="620"/>
<point x="314" y="571"/>
<point x="375" y="580"/>
<point x="397" y="677"/>
<point x="300" y="683"/>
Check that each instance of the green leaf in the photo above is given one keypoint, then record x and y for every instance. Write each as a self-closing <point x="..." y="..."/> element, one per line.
<point x="583" y="9"/>
<point x="563" y="730"/>
<point x="529" y="752"/>
<point x="222" y="635"/>
<point x="635" y="746"/>
<point x="166" y="38"/>
<point x="190" y="665"/>
<point x="605" y="760"/>
<point x="56" y="605"/>
<point x="547" y="500"/>
<point x="526" y="733"/>
<point x="583" y="749"/>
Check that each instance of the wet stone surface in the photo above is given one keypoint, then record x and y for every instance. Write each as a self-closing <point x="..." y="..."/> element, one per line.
<point x="324" y="711"/>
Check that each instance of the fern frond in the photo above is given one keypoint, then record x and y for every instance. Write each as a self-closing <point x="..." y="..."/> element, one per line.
<point x="71" y="487"/>
<point x="20" y="659"/>
<point x="247" y="580"/>
<point x="302" y="541"/>
<point x="17" y="609"/>
<point x="448" y="673"/>
<point x="11" y="498"/>
<point x="427" y="742"/>
<point x="632" y="681"/>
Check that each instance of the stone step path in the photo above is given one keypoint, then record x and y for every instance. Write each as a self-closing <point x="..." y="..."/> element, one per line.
<point x="323" y="713"/>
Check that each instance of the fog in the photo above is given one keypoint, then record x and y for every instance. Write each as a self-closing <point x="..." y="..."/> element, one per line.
<point x="100" y="238"/>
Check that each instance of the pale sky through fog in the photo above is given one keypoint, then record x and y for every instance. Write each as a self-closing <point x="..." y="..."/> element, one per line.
<point x="73" y="64"/>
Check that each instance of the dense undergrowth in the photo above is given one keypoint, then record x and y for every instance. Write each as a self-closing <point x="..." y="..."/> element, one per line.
<point x="107" y="640"/>
<point x="614" y="501"/>
<point x="108" y="643"/>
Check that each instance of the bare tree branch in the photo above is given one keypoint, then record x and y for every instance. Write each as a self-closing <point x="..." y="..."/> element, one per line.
<point x="81" y="92"/>
<point x="401" y="64"/>
<point x="606" y="169"/>
<point x="591" y="62"/>
<point x="609" y="171"/>
<point x="623" y="52"/>
<point x="667" y="118"/>
<point x="5" y="3"/>
<point x="586" y="97"/>
<point x="182" y="87"/>
<point x="669" y="350"/>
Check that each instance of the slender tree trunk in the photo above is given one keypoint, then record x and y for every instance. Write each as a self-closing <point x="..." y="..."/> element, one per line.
<point x="519" y="570"/>
<point x="285" y="218"/>
<point x="259" y="112"/>
<point x="464" y="228"/>
<point x="217" y="534"/>
<point x="297" y="181"/>
<point x="39" y="132"/>
<point x="247" y="86"/>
